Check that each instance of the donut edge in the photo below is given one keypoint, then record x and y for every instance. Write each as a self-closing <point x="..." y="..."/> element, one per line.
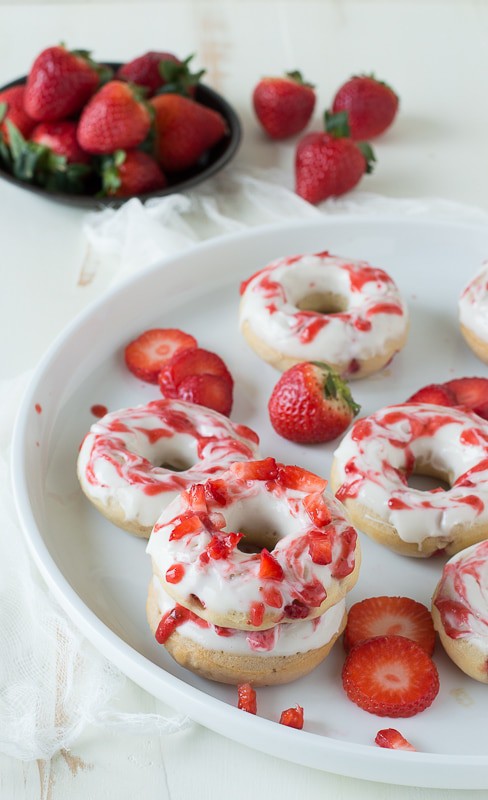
<point x="475" y="343"/>
<point x="465" y="655"/>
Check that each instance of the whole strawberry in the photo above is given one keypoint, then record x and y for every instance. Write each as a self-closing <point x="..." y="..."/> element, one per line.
<point x="60" y="137"/>
<point x="330" y="163"/>
<point x="184" y="131"/>
<point x="311" y="404"/>
<point x="60" y="83"/>
<point x="284" y="106"/>
<point x="12" y="108"/>
<point x="131" y="172"/>
<point x="155" y="70"/>
<point x="116" y="118"/>
<point x="371" y="106"/>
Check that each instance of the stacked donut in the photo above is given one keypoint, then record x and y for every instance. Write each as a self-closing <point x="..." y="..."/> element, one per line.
<point x="250" y="571"/>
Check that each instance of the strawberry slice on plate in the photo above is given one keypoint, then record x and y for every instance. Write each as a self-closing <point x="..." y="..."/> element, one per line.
<point x="390" y="676"/>
<point x="393" y="740"/>
<point x="437" y="393"/>
<point x="212" y="391"/>
<point x="198" y="376"/>
<point x="472" y="393"/>
<point x="147" y="355"/>
<point x="386" y="616"/>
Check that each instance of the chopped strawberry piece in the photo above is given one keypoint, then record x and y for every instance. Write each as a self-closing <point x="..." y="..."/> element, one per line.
<point x="472" y="393"/>
<point x="215" y="491"/>
<point x="345" y="562"/>
<point x="269" y="569"/>
<point x="211" y="391"/>
<point x="175" y="573"/>
<point x="296" y="610"/>
<point x="381" y="616"/>
<point x="196" y="498"/>
<point x="317" y="509"/>
<point x="146" y="355"/>
<point x="170" y="621"/>
<point x="293" y="477"/>
<point x="272" y="596"/>
<point x="246" y="698"/>
<point x="187" y="525"/>
<point x="390" y="676"/>
<point x="256" y="614"/>
<point x="183" y="365"/>
<point x="392" y="739"/>
<point x="220" y="547"/>
<point x="320" y="548"/>
<point x="293" y="717"/>
<point x="436" y="393"/>
<point x="264" y="470"/>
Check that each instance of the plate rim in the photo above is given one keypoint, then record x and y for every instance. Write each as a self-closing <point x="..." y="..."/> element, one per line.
<point x="133" y="663"/>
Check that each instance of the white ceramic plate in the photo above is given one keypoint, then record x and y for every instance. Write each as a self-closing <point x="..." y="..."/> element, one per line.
<point x="100" y="574"/>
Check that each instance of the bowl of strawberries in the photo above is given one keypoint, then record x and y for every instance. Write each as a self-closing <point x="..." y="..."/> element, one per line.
<point x="95" y="134"/>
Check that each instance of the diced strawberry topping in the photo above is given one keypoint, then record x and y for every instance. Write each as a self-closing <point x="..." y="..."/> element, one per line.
<point x="345" y="562"/>
<point x="175" y="573"/>
<point x="220" y="547"/>
<point x="317" y="509"/>
<point x="169" y="622"/>
<point x="146" y="355"/>
<point x="196" y="361"/>
<point x="390" y="676"/>
<point x="381" y="616"/>
<point x="293" y="717"/>
<point x="246" y="698"/>
<point x="256" y="614"/>
<point x="393" y="740"/>
<point x="435" y="393"/>
<point x="320" y="547"/>
<point x="272" y="596"/>
<point x="211" y="391"/>
<point x="196" y="498"/>
<point x="296" y="610"/>
<point x="188" y="525"/>
<point x="269" y="568"/>
<point x="293" y="477"/>
<point x="215" y="491"/>
<point x="264" y="470"/>
<point x="472" y="393"/>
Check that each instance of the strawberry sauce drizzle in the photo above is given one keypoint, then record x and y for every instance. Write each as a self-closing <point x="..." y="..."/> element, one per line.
<point x="462" y="597"/>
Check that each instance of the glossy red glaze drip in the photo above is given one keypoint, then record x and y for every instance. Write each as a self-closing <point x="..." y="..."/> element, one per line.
<point x="474" y="501"/>
<point x="308" y="325"/>
<point x="397" y="505"/>
<point x="271" y="308"/>
<point x="175" y="573"/>
<point x="98" y="410"/>
<point x="38" y="408"/>
<point x="455" y="617"/>
<point x="155" y="434"/>
<point x="256" y="614"/>
<point x="385" y="308"/>
<point x="170" y="621"/>
<point x="361" y="430"/>
<point x="469" y="437"/>
<point x="359" y="276"/>
<point x="261" y="641"/>
<point x="362" y="324"/>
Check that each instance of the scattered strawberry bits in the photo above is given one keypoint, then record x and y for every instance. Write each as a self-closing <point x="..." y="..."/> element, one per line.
<point x="246" y="698"/>
<point x="382" y="616"/>
<point x="393" y="740"/>
<point x="293" y="717"/>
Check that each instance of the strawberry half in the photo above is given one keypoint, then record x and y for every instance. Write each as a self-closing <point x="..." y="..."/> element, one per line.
<point x="393" y="740"/>
<point x="390" y="676"/>
<point x="382" y="616"/>
<point x="147" y="355"/>
<point x="311" y="403"/>
<point x="437" y="393"/>
<point x="472" y="393"/>
<point x="284" y="106"/>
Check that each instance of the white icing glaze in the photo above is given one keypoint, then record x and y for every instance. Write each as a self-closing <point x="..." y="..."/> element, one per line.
<point x="232" y="583"/>
<point x="284" y="639"/>
<point x="380" y="450"/>
<point x="473" y="304"/>
<point x="462" y="596"/>
<point x="119" y="461"/>
<point x="374" y="315"/>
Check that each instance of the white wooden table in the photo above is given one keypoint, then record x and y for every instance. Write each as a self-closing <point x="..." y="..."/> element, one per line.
<point x="434" y="54"/>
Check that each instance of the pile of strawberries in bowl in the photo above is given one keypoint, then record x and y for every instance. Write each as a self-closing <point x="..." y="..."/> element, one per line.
<point x="95" y="133"/>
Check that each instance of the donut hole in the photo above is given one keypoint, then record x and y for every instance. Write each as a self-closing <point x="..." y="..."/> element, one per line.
<point x="255" y="541"/>
<point x="425" y="477"/>
<point x="323" y="303"/>
<point x="176" y="465"/>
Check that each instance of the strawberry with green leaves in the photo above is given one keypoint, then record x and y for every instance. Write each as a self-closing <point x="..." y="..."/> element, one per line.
<point x="116" y="118"/>
<point x="131" y="172"/>
<point x="330" y="163"/>
<point x="284" y="105"/>
<point x="311" y="404"/>
<point x="158" y="71"/>
<point x="61" y="139"/>
<point x="12" y="108"/>
<point x="371" y="106"/>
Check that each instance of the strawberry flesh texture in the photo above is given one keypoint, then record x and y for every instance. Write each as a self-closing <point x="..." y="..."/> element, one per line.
<point x="269" y="569"/>
<point x="114" y="119"/>
<point x="189" y="363"/>
<point x="16" y="113"/>
<point x="326" y="166"/>
<point x="211" y="391"/>
<point x="60" y="137"/>
<point x="246" y="698"/>
<point x="472" y="393"/>
<point x="59" y="84"/>
<point x="144" y="70"/>
<point x="293" y="717"/>
<point x="264" y="470"/>
<point x="390" y="676"/>
<point x="283" y="106"/>
<point x="139" y="173"/>
<point x="393" y="740"/>
<point x="381" y="616"/>
<point x="435" y="393"/>
<point x="371" y="106"/>
<point x="148" y="354"/>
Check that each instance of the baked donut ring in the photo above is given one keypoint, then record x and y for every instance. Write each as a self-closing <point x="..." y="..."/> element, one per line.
<point x="374" y="460"/>
<point x="278" y="655"/>
<point x="134" y="462"/>
<point x="460" y="610"/>
<point x="324" y="308"/>
<point x="473" y="313"/>
<point x="261" y="545"/>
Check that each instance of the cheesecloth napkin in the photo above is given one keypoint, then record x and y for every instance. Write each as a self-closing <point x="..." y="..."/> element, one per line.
<point x="52" y="681"/>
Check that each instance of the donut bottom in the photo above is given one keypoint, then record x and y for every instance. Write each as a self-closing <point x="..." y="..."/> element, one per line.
<point x="368" y="521"/>
<point x="469" y="658"/>
<point x="231" y="668"/>
<point x="477" y="345"/>
<point x="115" y="514"/>
<point x="362" y="367"/>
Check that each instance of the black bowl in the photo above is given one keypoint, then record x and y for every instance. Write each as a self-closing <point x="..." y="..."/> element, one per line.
<point x="211" y="163"/>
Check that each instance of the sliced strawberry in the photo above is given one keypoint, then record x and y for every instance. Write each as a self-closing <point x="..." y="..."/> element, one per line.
<point x="293" y="477"/>
<point x="148" y="354"/>
<point x="390" y="676"/>
<point x="211" y="391"/>
<point x="472" y="393"/>
<point x="293" y="717"/>
<point x="246" y="698"/>
<point x="196" y="361"/>
<point x="437" y="393"/>
<point x="269" y="569"/>
<point x="398" y="616"/>
<point x="265" y="470"/>
<point x="392" y="739"/>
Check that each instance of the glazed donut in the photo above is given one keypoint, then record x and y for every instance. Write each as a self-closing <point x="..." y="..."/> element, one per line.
<point x="198" y="555"/>
<point x="473" y="313"/>
<point x="133" y="462"/>
<point x="274" y="656"/>
<point x="460" y="610"/>
<point x="323" y="308"/>
<point x="372" y="464"/>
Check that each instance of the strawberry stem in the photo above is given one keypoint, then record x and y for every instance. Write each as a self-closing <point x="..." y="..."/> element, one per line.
<point x="335" y="387"/>
<point x="296" y="75"/>
<point x="368" y="154"/>
<point x="337" y="124"/>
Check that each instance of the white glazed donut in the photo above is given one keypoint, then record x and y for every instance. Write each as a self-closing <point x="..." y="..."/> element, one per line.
<point x="298" y="555"/>
<point x="473" y="313"/>
<point x="277" y="655"/>
<point x="324" y="308"/>
<point x="372" y="464"/>
<point x="460" y="610"/>
<point x="121" y="460"/>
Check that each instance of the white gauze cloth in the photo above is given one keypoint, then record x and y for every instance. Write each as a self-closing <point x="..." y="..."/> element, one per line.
<point x="52" y="681"/>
